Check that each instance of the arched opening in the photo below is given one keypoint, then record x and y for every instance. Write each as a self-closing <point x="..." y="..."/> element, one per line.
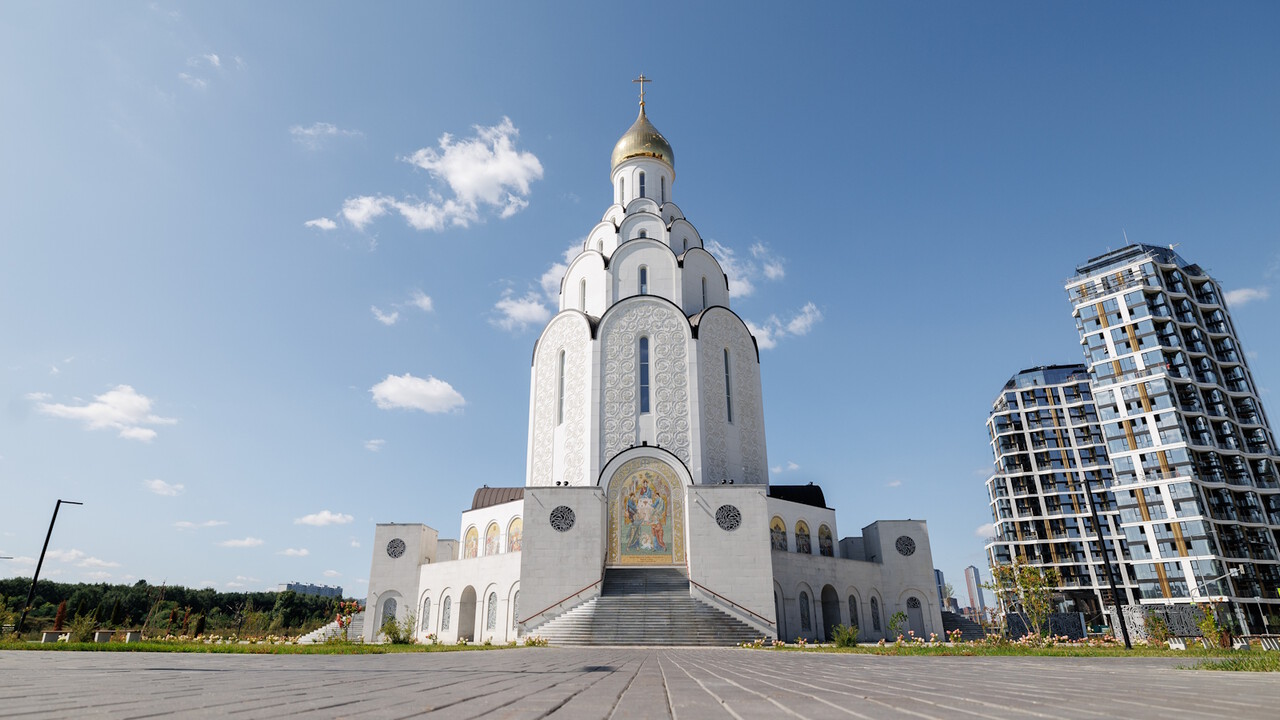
<point x="560" y="390"/>
<point x="779" y="616"/>
<point x="644" y="281"/>
<point x="830" y="611"/>
<point x="826" y="545"/>
<point x="854" y="618"/>
<point x="728" y="388"/>
<point x="446" y="614"/>
<point x="515" y="610"/>
<point x="778" y="534"/>
<point x="875" y="615"/>
<point x="915" y="616"/>
<point x="491" y="612"/>
<point x="388" y="612"/>
<point x="806" y="614"/>
<point x="515" y="535"/>
<point x="646" y="514"/>
<point x="644" y="374"/>
<point x="582" y="295"/>
<point x="426" y="615"/>
<point x="641" y="183"/>
<point x="662" y="189"/>
<point x="492" y="545"/>
<point x="704" y="291"/>
<point x="467" y="614"/>
<point x="803" y="545"/>
<point x="471" y="545"/>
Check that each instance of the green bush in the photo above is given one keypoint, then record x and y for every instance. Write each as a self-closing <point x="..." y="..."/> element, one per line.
<point x="844" y="635"/>
<point x="400" y="633"/>
<point x="1157" y="628"/>
<point x="82" y="627"/>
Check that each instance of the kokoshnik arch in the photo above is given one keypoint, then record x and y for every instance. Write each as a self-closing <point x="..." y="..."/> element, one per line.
<point x="647" y="473"/>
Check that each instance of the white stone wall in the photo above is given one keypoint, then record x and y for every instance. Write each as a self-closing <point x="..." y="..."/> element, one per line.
<point x="560" y="570"/>
<point x="396" y="578"/>
<point x="731" y="564"/>
<point x="792" y="513"/>
<point x="494" y="574"/>
<point x="560" y="448"/>
<point x="629" y="171"/>
<point x="731" y="450"/>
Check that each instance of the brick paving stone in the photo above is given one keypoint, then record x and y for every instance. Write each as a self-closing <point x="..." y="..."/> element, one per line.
<point x="621" y="684"/>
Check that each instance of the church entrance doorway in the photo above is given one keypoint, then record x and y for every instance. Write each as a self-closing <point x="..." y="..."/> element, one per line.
<point x="646" y="514"/>
<point x="467" y="615"/>
<point x="830" y="612"/>
<point x="915" y="616"/>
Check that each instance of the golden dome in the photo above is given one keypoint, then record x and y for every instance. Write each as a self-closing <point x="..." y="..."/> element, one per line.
<point x="642" y="140"/>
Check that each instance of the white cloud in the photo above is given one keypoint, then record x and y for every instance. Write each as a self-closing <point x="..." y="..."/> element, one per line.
<point x="517" y="313"/>
<point x="195" y="82"/>
<point x="321" y="223"/>
<point x="985" y="531"/>
<point x="161" y="487"/>
<point x="779" y="469"/>
<point x="774" y="329"/>
<point x="324" y="517"/>
<point x="484" y="173"/>
<point x="245" y="578"/>
<point x="771" y="265"/>
<point x="332" y="573"/>
<point x="374" y="445"/>
<point x="78" y="557"/>
<point x="98" y="575"/>
<point x="355" y="543"/>
<point x="71" y="555"/>
<point x="421" y="301"/>
<point x="550" y="280"/>
<point x="314" y="135"/>
<point x="188" y="525"/>
<point x="414" y="393"/>
<point x="97" y="562"/>
<point x="294" y="552"/>
<point x="120" y="408"/>
<point x="213" y="59"/>
<point x="53" y="370"/>
<point x="1244" y="296"/>
<point x="245" y="543"/>
<point x="743" y="273"/>
<point x="235" y="585"/>
<point x="894" y="483"/>
<point x="385" y="318"/>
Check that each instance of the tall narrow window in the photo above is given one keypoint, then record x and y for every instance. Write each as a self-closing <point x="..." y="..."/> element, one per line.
<point x="582" y="295"/>
<point x="619" y="191"/>
<point x="560" y="391"/>
<point x="641" y="184"/>
<point x="684" y="245"/>
<point x="662" y="190"/>
<point x="644" y="374"/>
<point x="704" y="291"/>
<point x="728" y="388"/>
<point x="644" y="280"/>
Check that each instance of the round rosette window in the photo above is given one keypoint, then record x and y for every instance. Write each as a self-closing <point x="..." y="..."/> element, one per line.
<point x="395" y="548"/>
<point x="905" y="545"/>
<point x="562" y="518"/>
<point x="728" y="517"/>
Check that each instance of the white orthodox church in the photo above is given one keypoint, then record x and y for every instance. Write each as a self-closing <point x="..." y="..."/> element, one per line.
<point x="647" y="489"/>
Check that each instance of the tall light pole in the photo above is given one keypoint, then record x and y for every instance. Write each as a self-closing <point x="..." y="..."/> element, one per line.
<point x="17" y="629"/>
<point x="1106" y="560"/>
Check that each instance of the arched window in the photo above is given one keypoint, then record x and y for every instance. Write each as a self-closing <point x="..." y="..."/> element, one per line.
<point x="728" y="388"/>
<point x="644" y="233"/>
<point x="778" y="534"/>
<point x="875" y="614"/>
<point x="644" y="374"/>
<point x="445" y="612"/>
<point x="704" y="292"/>
<point x="471" y="545"/>
<point x="426" y="615"/>
<point x="515" y="535"/>
<point x="515" y="609"/>
<point x="802" y="538"/>
<point x="491" y="612"/>
<point x="826" y="546"/>
<point x="662" y="189"/>
<point x="644" y="280"/>
<point x="641" y="183"/>
<point x="853" y="611"/>
<point x="684" y="245"/>
<point x="582" y="295"/>
<point x="388" y="611"/>
<point x="913" y="603"/>
<point x="492" y="545"/>
<point x="622" y="190"/>
<point x="805" y="623"/>
<point x="560" y="390"/>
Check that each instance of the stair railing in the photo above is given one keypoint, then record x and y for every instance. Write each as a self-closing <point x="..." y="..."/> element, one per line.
<point x="561" y="601"/>
<point x="706" y="589"/>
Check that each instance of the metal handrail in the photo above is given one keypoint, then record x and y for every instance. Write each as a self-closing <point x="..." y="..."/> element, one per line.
<point x="561" y="600"/>
<point x="713" y="592"/>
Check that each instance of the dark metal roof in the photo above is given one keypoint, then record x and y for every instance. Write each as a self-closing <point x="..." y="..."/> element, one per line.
<point x="804" y="494"/>
<point x="487" y="496"/>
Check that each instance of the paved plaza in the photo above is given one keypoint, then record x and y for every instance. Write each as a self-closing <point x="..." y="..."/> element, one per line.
<point x="621" y="683"/>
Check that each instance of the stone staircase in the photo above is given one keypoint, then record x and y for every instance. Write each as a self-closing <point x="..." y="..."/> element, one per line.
<point x="646" y="606"/>
<point x="969" y="630"/>
<point x="323" y="634"/>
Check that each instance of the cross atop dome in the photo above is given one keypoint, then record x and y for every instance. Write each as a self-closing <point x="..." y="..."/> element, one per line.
<point x="642" y="80"/>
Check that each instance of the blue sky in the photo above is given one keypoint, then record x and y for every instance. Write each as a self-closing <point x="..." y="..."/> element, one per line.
<point x="900" y="190"/>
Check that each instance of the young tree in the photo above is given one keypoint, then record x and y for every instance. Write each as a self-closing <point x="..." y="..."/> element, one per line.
<point x="1026" y="591"/>
<point x="61" y="617"/>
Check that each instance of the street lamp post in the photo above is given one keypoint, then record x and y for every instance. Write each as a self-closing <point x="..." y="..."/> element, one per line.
<point x="17" y="629"/>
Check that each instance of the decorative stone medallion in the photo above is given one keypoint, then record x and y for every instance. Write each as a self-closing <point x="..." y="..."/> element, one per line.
<point x="905" y="545"/>
<point x="395" y="548"/>
<point x="728" y="517"/>
<point x="562" y="518"/>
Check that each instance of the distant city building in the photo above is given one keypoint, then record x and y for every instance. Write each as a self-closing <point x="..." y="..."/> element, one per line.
<point x="941" y="581"/>
<point x="973" y="580"/>
<point x="1193" y="456"/>
<point x="1046" y="442"/>
<point x="309" y="589"/>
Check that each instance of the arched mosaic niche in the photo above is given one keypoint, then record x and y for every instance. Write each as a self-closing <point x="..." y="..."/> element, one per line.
<point x="646" y="514"/>
<point x="471" y="545"/>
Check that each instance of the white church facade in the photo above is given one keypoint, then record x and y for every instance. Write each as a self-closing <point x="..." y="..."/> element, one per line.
<point x="647" y="474"/>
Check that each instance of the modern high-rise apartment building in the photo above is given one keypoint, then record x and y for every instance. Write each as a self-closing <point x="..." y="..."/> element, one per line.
<point x="974" y="582"/>
<point x="1047" y="442"/>
<point x="1193" y="456"/>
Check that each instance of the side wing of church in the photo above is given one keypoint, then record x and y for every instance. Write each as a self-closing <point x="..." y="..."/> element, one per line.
<point x="646" y="515"/>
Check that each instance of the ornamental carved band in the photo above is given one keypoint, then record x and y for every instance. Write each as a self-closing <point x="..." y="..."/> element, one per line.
<point x="668" y="333"/>
<point x="569" y="333"/>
